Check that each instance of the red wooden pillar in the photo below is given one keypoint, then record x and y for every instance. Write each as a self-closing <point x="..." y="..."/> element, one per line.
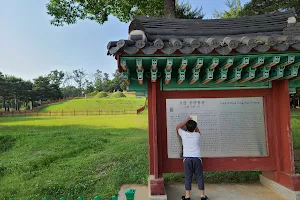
<point x="156" y="183"/>
<point x="282" y="134"/>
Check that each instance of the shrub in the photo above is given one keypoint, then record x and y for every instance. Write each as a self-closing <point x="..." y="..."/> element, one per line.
<point x="118" y="95"/>
<point x="101" y="95"/>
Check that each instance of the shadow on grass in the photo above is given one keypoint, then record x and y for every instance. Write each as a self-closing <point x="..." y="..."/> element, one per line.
<point x="22" y="119"/>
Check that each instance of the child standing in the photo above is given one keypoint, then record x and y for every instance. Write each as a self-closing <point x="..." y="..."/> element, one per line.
<point x="192" y="157"/>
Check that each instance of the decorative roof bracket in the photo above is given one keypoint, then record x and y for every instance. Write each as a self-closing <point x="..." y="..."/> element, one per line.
<point x="126" y="76"/>
<point x="140" y="75"/>
<point x="181" y="75"/>
<point x="248" y="74"/>
<point x="262" y="73"/>
<point x="277" y="72"/>
<point x="168" y="71"/>
<point x="221" y="75"/>
<point x="208" y="75"/>
<point x="196" y="71"/>
<point x="274" y="61"/>
<point x="291" y="71"/>
<point x="184" y="63"/>
<point x="257" y="63"/>
<point x="244" y="62"/>
<point x="123" y="64"/>
<point x="214" y="63"/>
<point x="154" y="70"/>
<point x="235" y="75"/>
<point x="195" y="75"/>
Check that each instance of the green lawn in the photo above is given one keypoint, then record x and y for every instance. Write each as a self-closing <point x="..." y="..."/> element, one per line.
<point x="73" y="156"/>
<point x="295" y="114"/>
<point x="94" y="104"/>
<point x="84" y="156"/>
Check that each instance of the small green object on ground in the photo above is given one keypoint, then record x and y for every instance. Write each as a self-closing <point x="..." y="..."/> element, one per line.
<point x="129" y="194"/>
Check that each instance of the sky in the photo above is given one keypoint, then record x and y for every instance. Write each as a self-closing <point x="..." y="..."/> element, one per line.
<point x="30" y="46"/>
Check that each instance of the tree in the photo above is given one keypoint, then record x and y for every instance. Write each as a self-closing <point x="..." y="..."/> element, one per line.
<point x="256" y="7"/>
<point x="235" y="10"/>
<point x="42" y="88"/>
<point x="71" y="91"/>
<point x="98" y="80"/>
<point x="184" y="10"/>
<point x="78" y="76"/>
<point x="70" y="11"/>
<point x="56" y="77"/>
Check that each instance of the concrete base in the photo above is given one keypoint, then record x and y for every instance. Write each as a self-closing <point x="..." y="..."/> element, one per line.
<point x="213" y="191"/>
<point x="279" y="189"/>
<point x="156" y="187"/>
<point x="224" y="192"/>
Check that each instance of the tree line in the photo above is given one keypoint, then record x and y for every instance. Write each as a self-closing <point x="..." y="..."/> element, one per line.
<point x="17" y="93"/>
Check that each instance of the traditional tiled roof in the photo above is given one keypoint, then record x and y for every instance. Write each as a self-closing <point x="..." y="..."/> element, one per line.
<point x="261" y="33"/>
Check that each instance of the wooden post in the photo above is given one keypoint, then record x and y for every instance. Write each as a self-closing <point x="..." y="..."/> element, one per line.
<point x="74" y="113"/>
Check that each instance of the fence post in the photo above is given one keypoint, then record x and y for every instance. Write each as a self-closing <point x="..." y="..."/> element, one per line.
<point x="49" y="113"/>
<point x="87" y="113"/>
<point x="74" y="112"/>
<point x="62" y="112"/>
<point x="25" y="112"/>
<point x="37" y="113"/>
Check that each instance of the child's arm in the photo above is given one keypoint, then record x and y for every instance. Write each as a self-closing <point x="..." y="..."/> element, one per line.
<point x="197" y="130"/>
<point x="182" y="124"/>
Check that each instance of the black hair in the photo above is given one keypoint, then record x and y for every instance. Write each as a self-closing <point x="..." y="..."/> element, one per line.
<point x="191" y="125"/>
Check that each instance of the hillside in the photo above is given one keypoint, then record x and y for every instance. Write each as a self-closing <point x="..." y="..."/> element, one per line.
<point x="94" y="104"/>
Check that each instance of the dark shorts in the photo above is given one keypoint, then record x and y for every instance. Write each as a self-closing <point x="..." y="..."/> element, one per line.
<point x="193" y="166"/>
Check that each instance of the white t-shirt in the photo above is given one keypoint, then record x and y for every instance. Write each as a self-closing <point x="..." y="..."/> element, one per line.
<point x="191" y="143"/>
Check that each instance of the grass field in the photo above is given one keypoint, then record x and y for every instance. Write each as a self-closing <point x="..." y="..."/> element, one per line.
<point x="295" y="114"/>
<point x="94" y="104"/>
<point x="69" y="157"/>
<point x="84" y="156"/>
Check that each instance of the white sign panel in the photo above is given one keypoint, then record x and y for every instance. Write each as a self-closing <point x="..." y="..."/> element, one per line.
<point x="230" y="127"/>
